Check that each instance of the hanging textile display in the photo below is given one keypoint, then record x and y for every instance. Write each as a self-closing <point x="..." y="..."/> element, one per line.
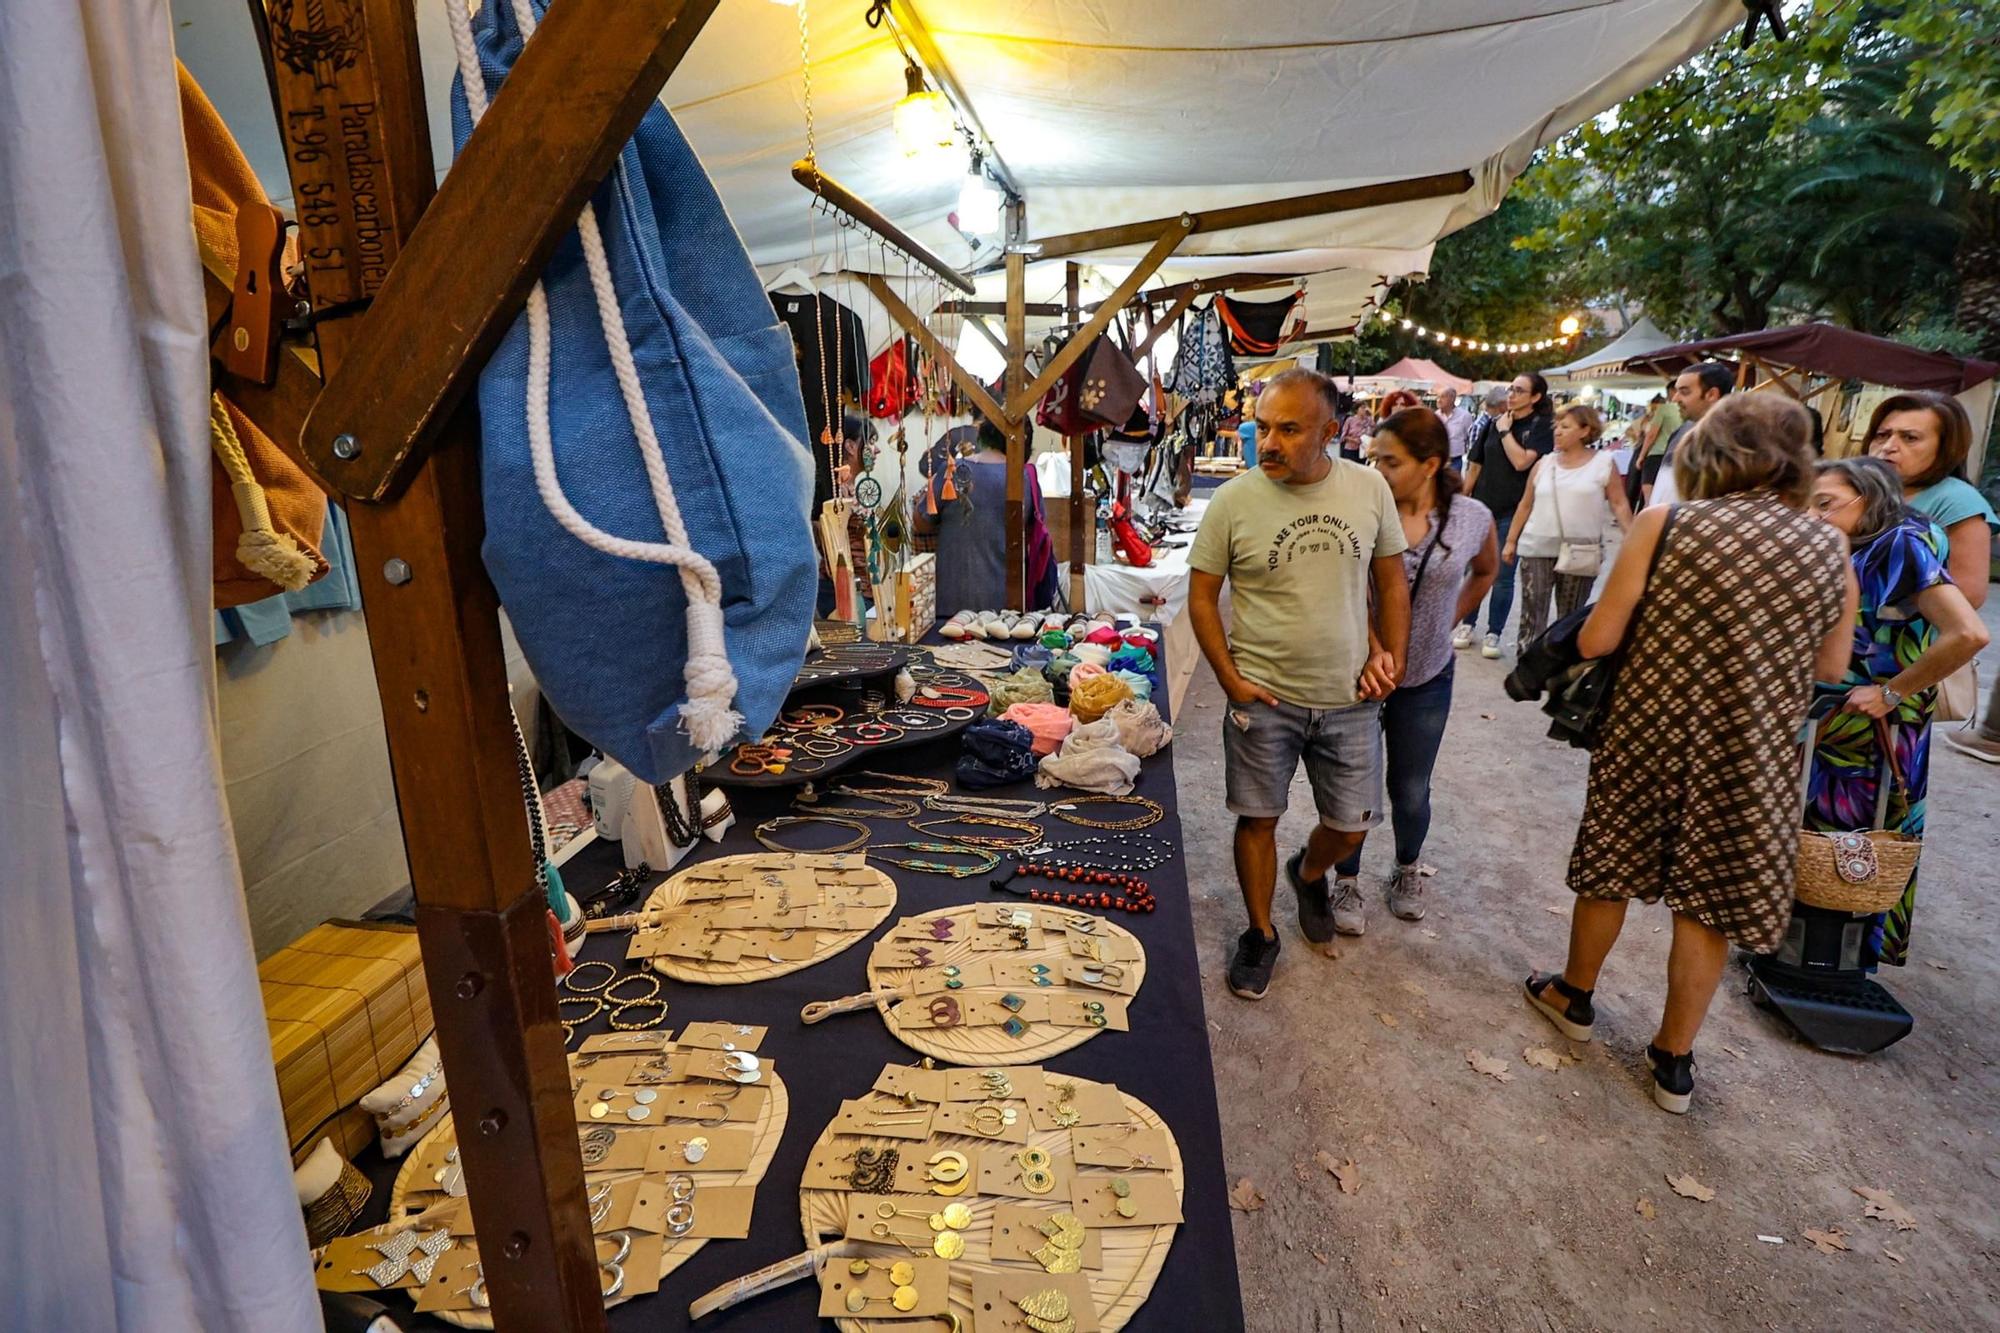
<point x="1202" y="367"/>
<point x="267" y="512"/>
<point x="1256" y="328"/>
<point x="1061" y="409"/>
<point x="624" y="512"/>
<point x="892" y="391"/>
<point x="1112" y="388"/>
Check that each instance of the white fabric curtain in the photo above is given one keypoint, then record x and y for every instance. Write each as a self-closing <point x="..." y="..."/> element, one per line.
<point x="143" y="1161"/>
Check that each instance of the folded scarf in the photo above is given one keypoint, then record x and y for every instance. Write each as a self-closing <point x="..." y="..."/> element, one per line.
<point x="1093" y="696"/>
<point x="1103" y="634"/>
<point x="1092" y="652"/>
<point x="1026" y="686"/>
<point x="1049" y="722"/>
<point x="1131" y="659"/>
<point x="1032" y="656"/>
<point x="1140" y="728"/>
<point x="995" y="753"/>
<point x="1091" y="759"/>
<point x="1142" y="686"/>
<point x="1083" y="671"/>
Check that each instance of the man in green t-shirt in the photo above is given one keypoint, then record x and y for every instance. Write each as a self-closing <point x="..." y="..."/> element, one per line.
<point x="1300" y="539"/>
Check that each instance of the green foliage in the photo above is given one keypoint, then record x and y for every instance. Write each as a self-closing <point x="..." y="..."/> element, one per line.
<point x="1852" y="173"/>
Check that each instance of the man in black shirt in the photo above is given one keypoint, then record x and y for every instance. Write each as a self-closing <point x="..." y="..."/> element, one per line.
<point x="1512" y="434"/>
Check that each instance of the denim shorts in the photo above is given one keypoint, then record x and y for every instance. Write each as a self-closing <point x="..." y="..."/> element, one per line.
<point x="1263" y="743"/>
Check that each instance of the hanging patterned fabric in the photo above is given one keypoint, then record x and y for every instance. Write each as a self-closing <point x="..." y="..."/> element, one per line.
<point x="1202" y="368"/>
<point x="1256" y="328"/>
<point x="892" y="390"/>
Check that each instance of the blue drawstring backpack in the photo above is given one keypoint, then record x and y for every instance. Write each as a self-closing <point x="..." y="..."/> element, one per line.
<point x="643" y="457"/>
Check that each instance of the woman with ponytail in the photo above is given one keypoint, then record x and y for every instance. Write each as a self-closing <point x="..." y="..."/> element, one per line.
<point x="1451" y="562"/>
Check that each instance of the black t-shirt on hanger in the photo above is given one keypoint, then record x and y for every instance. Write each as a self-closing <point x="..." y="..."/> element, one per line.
<point x="827" y="334"/>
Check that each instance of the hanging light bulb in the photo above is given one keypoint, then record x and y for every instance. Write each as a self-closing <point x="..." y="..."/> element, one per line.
<point x="978" y="202"/>
<point x="1570" y="325"/>
<point x="924" y="121"/>
<point x="1407" y="324"/>
<point x="1454" y="341"/>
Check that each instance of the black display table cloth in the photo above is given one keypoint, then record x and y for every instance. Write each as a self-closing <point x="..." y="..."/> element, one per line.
<point x="1164" y="1061"/>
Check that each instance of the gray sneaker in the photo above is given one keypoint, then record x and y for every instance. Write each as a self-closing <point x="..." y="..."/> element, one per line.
<point x="1973" y="745"/>
<point x="1406" y="893"/>
<point x="1350" y="910"/>
<point x="1490" y="646"/>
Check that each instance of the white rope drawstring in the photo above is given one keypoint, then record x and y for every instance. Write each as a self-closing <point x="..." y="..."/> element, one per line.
<point x="709" y="715"/>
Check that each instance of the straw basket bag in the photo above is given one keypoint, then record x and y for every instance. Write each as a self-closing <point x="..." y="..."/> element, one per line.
<point x="1958" y="695"/>
<point x="1868" y="869"/>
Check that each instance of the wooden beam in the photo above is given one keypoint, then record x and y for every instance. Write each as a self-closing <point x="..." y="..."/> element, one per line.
<point x="1275" y="210"/>
<point x="807" y="173"/>
<point x="1168" y="238"/>
<point x="1228" y="282"/>
<point x="1159" y="326"/>
<point x="1019" y="430"/>
<point x="1081" y="520"/>
<point x="916" y="328"/>
<point x="357" y="144"/>
<point x="550" y="137"/>
<point x="985" y="330"/>
<point x="995" y="308"/>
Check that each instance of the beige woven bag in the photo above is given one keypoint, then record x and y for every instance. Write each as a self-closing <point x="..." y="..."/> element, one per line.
<point x="1866" y="870"/>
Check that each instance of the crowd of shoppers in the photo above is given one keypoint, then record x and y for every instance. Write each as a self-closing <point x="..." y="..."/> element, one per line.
<point x="1756" y="589"/>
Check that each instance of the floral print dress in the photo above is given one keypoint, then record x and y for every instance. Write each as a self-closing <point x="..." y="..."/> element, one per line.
<point x="1889" y="634"/>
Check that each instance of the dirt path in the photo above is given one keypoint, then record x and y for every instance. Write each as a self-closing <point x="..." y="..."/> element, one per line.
<point x="1493" y="1205"/>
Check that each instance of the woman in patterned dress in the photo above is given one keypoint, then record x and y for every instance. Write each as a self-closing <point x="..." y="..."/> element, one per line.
<point x="1913" y="629"/>
<point x="1694" y="785"/>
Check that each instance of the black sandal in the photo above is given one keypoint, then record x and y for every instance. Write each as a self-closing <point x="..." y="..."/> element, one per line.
<point x="1573" y="1020"/>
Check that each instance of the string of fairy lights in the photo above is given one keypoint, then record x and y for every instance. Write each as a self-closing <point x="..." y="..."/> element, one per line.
<point x="1566" y="334"/>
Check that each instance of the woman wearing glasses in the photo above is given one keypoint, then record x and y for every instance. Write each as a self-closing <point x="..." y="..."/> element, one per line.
<point x="1914" y="628"/>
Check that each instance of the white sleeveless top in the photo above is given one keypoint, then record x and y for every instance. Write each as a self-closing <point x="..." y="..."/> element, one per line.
<point x="1586" y="514"/>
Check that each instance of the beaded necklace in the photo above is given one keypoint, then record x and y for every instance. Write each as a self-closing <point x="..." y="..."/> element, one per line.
<point x="1133" y="894"/>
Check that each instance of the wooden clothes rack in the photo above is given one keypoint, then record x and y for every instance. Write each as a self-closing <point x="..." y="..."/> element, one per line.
<point x="412" y="284"/>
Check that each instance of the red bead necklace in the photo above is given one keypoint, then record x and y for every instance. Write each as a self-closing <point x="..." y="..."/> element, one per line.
<point x="1133" y="894"/>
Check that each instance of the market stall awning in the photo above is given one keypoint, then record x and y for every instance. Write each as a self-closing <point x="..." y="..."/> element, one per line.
<point x="1418" y="370"/>
<point x="1613" y="361"/>
<point x="1835" y="353"/>
<point x="1112" y="112"/>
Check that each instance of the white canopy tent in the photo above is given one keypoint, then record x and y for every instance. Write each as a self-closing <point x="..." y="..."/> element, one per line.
<point x="1606" y="367"/>
<point x="1116" y="111"/>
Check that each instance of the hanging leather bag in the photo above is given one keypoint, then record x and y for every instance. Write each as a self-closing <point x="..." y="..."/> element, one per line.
<point x="643" y="455"/>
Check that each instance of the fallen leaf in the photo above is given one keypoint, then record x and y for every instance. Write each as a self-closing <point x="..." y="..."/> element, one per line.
<point x="1317" y="1255"/>
<point x="1413" y="988"/>
<point x="1888" y="1253"/>
<point x="1245" y="1198"/>
<point x="1348" y="1173"/>
<point x="1555" y="911"/>
<point x="1689" y="1188"/>
<point x="1645" y="1209"/>
<point x="1486" y="717"/>
<point x="1826" y="1242"/>
<point x="1432" y="935"/>
<point x="1491" y="1066"/>
<point x="1939" y="966"/>
<point x="1388" y="1020"/>
<point x="1541" y="1057"/>
<point x="1736" y="1051"/>
<point x="1883" y="1206"/>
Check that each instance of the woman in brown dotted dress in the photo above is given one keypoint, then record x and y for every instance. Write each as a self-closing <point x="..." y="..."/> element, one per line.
<point x="1694" y="784"/>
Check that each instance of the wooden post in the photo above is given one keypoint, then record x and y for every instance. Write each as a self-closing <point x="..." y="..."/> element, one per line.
<point x="357" y="145"/>
<point x="1081" y="519"/>
<point x="1019" y="425"/>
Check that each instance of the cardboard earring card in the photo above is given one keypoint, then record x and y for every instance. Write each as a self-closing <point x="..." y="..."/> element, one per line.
<point x="909" y="1220"/>
<point x="723" y="1036"/>
<point x="1090" y="1010"/>
<point x="925" y="1085"/>
<point x="1091" y="1104"/>
<point x="1017" y="1234"/>
<point x="997" y="1298"/>
<point x="972" y="1085"/>
<point x="869" y="1295"/>
<point x="1001" y="1174"/>
<point x="867" y="1119"/>
<point x="832" y="1166"/>
<point x="1095" y="1199"/>
<point x="717" y="1150"/>
<point x="653" y="1041"/>
<point x="1130" y="1147"/>
<point x="979" y="1121"/>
